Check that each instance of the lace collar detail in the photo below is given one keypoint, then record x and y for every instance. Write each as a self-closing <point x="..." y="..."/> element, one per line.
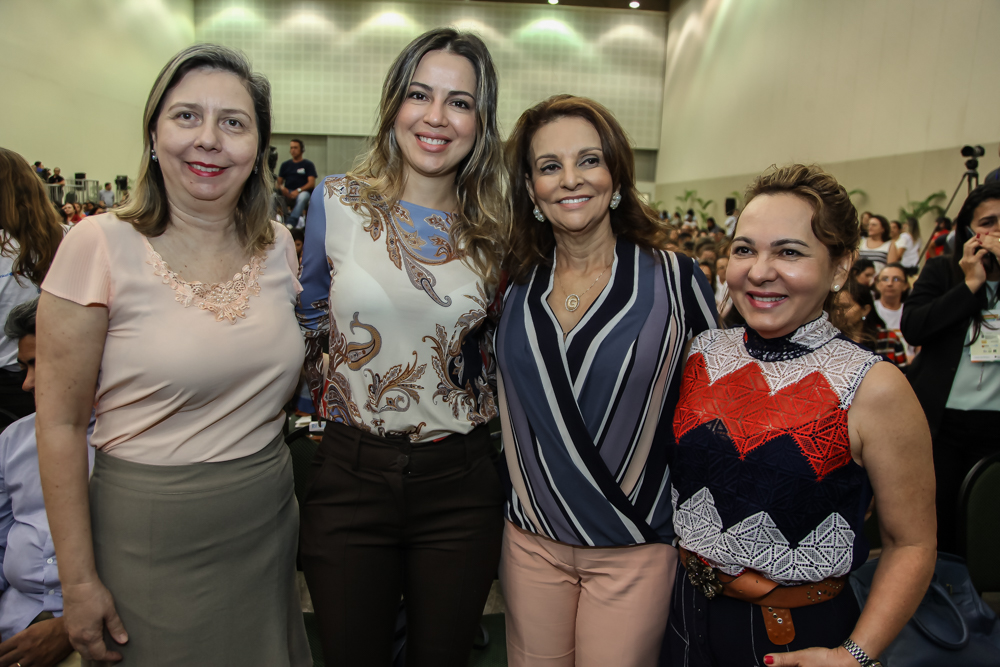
<point x="228" y="301"/>
<point x="807" y="338"/>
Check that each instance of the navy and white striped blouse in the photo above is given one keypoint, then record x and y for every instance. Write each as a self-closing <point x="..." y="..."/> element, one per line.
<point x="587" y="420"/>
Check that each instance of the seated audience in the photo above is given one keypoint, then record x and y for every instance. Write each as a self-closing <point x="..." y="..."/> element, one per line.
<point x="863" y="325"/>
<point x="908" y="242"/>
<point x="704" y="249"/>
<point x="951" y="314"/>
<point x="29" y="235"/>
<point x="719" y="285"/>
<point x="31" y="625"/>
<point x="892" y="289"/>
<point x="708" y="268"/>
<point x="863" y="271"/>
<point x="938" y="243"/>
<point x="878" y="246"/>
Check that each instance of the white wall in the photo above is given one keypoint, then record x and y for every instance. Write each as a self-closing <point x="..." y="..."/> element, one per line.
<point x="326" y="59"/>
<point x="76" y="75"/>
<point x="883" y="91"/>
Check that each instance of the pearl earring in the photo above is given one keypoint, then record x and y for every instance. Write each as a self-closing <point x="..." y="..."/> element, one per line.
<point x="538" y="215"/>
<point x="615" y="200"/>
<point x="836" y="288"/>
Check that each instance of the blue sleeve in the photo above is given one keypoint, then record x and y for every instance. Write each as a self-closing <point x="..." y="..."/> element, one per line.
<point x="6" y="507"/>
<point x="313" y="309"/>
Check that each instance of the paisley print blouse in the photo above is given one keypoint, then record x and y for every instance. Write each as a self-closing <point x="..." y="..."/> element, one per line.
<point x="404" y="316"/>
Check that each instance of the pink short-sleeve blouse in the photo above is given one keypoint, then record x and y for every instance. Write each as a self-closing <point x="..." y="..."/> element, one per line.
<point x="188" y="374"/>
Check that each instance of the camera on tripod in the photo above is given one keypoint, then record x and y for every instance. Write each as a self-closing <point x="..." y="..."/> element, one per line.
<point x="972" y="152"/>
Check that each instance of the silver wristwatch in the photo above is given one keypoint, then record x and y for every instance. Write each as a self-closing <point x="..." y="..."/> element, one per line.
<point x="858" y="653"/>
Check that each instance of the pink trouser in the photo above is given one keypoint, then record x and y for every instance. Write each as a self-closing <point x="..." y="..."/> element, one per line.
<point x="580" y="606"/>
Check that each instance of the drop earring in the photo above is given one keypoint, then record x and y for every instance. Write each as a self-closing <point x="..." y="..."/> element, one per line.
<point x="538" y="215"/>
<point x="255" y="169"/>
<point x="616" y="199"/>
<point x="152" y="155"/>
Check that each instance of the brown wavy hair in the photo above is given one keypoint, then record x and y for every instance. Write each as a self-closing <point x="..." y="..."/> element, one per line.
<point x="147" y="208"/>
<point x="834" y="221"/>
<point x="476" y="228"/>
<point x="531" y="242"/>
<point x="30" y="229"/>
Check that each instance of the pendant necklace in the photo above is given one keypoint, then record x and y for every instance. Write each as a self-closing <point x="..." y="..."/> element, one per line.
<point x="573" y="300"/>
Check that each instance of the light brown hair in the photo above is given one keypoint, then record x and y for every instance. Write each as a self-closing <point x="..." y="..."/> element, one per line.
<point x="27" y="218"/>
<point x="834" y="221"/>
<point x="147" y="208"/>
<point x="476" y="228"/>
<point x="531" y="241"/>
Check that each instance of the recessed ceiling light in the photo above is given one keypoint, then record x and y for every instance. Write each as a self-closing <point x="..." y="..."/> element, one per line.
<point x="634" y="4"/>
<point x="553" y="2"/>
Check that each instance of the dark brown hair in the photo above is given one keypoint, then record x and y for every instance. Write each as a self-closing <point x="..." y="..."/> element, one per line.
<point x="886" y="229"/>
<point x="531" y="242"/>
<point x="27" y="219"/>
<point x="834" y="220"/>
<point x="147" y="208"/>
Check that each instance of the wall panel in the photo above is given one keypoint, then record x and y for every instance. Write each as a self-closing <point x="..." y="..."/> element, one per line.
<point x="326" y="60"/>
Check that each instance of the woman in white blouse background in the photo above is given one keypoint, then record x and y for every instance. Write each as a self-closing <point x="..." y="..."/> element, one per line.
<point x="399" y="264"/>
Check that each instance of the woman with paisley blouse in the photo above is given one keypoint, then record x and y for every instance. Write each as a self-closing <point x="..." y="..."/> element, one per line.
<point x="589" y="347"/>
<point x="781" y="439"/>
<point x="398" y="267"/>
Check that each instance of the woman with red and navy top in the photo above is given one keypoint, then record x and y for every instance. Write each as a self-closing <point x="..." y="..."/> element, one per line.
<point x="780" y="445"/>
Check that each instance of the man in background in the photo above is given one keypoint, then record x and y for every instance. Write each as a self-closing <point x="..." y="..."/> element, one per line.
<point x="296" y="179"/>
<point x="56" y="193"/>
<point x="108" y="196"/>
<point x="32" y="630"/>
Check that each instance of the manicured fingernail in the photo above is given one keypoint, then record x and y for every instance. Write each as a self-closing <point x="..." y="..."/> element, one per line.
<point x="768" y="659"/>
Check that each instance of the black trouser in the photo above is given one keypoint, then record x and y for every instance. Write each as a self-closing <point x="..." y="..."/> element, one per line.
<point x="13" y="399"/>
<point x="724" y="631"/>
<point x="383" y="518"/>
<point x="964" y="437"/>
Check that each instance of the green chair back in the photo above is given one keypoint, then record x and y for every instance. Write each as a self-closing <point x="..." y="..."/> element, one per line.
<point x="979" y="523"/>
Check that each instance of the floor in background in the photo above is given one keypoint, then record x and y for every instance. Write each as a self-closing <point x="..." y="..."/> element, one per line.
<point x="495" y="653"/>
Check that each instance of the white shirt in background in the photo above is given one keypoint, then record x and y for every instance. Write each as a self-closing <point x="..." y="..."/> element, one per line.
<point x="12" y="293"/>
<point x="910" y="249"/>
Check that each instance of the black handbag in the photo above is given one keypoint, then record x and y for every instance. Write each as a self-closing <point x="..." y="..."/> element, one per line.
<point x="952" y="625"/>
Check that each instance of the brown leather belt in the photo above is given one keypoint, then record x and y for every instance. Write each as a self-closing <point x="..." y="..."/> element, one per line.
<point x="776" y="601"/>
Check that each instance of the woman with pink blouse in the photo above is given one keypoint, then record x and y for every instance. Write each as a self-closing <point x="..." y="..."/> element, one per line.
<point x="177" y="311"/>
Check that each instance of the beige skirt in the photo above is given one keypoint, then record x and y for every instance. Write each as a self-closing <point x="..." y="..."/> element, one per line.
<point x="200" y="559"/>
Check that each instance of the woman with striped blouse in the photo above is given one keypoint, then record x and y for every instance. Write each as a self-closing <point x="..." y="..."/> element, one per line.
<point x="590" y="349"/>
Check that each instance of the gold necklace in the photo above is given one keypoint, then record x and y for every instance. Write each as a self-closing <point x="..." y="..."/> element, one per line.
<point x="573" y="300"/>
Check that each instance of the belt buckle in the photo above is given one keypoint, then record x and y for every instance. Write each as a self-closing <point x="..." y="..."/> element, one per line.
<point x="703" y="577"/>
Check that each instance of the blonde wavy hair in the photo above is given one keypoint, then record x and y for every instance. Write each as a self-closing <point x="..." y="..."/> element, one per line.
<point x="147" y="208"/>
<point x="30" y="229"/>
<point x="476" y="229"/>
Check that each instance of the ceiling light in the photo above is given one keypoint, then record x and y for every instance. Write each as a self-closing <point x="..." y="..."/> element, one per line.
<point x="553" y="2"/>
<point x="634" y="4"/>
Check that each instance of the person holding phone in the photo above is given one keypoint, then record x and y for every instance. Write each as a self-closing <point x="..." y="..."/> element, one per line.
<point x="952" y="313"/>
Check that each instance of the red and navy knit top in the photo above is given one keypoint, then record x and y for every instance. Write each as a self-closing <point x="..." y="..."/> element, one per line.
<point x="762" y="475"/>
